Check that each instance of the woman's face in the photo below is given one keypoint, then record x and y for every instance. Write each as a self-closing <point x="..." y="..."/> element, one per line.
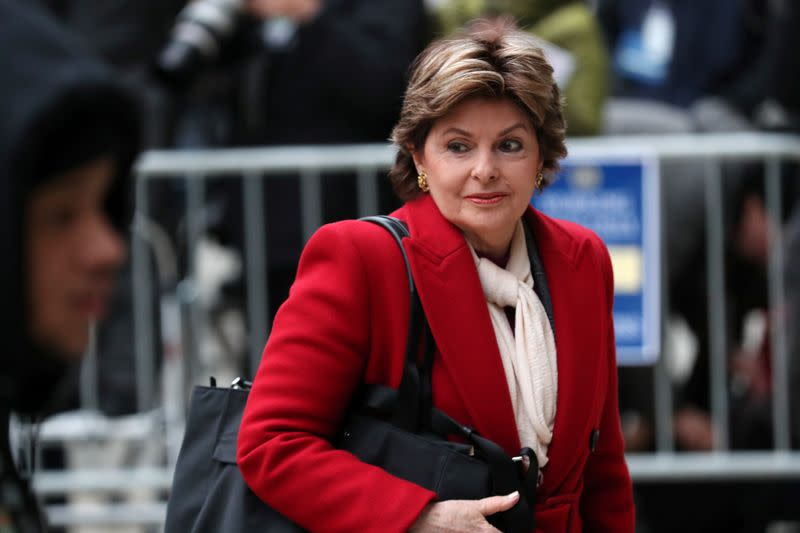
<point x="481" y="162"/>
<point x="73" y="253"/>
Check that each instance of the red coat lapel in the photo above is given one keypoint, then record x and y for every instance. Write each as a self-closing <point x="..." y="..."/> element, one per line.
<point x="578" y="305"/>
<point x="454" y="303"/>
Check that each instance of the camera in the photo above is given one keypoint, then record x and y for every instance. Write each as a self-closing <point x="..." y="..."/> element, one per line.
<point x="201" y="30"/>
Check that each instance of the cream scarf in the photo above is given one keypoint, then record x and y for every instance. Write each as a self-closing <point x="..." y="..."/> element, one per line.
<point x="528" y="352"/>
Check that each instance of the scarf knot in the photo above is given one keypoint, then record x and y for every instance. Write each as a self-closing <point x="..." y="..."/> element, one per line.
<point x="500" y="286"/>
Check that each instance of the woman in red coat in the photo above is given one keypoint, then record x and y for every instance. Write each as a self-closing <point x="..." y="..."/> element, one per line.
<point x="520" y="306"/>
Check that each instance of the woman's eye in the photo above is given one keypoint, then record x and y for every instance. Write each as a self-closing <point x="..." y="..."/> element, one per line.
<point x="510" y="145"/>
<point x="457" y="147"/>
<point x="59" y="217"/>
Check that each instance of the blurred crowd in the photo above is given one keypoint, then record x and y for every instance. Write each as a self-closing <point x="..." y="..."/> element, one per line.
<point x="222" y="73"/>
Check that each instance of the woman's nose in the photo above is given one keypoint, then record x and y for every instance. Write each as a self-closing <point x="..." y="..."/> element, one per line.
<point x="485" y="168"/>
<point x="102" y="247"/>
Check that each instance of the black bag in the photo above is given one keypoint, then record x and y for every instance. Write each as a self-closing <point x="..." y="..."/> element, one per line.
<point x="398" y="430"/>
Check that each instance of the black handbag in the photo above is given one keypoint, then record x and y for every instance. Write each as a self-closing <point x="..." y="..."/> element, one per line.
<point x="398" y="430"/>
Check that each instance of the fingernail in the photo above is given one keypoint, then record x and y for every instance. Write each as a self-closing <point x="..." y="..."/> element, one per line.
<point x="514" y="495"/>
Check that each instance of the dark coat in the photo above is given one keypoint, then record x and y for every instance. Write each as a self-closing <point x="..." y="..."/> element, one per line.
<point x="341" y="79"/>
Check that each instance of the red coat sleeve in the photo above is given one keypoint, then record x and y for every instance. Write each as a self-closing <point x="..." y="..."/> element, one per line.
<point x="311" y="365"/>
<point x="607" y="499"/>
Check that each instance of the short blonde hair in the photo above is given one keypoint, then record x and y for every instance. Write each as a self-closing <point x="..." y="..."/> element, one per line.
<point x="489" y="59"/>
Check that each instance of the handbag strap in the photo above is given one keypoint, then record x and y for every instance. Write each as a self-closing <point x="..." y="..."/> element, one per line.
<point x="413" y="397"/>
<point x="411" y="406"/>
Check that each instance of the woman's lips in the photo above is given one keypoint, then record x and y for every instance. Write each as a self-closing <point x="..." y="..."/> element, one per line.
<point x="486" y="198"/>
<point x="93" y="305"/>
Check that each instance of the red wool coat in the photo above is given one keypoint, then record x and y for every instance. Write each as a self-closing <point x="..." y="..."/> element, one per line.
<point x="345" y="320"/>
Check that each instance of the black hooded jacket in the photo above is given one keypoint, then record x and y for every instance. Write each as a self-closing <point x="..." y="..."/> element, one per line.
<point x="59" y="108"/>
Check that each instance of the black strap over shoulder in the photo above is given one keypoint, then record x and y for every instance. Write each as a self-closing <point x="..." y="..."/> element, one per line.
<point x="397" y="229"/>
<point x="410" y="394"/>
<point x="411" y="406"/>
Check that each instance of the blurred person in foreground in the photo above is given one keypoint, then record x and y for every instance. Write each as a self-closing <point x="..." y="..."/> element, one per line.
<point x="67" y="140"/>
<point x="519" y="305"/>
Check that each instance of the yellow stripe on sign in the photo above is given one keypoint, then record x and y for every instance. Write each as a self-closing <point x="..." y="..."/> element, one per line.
<point x="627" y="264"/>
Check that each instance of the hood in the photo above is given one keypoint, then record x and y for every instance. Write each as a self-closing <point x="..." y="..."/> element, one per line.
<point x="59" y="108"/>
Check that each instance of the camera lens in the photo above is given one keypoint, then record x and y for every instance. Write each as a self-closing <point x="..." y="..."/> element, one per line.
<point x="199" y="34"/>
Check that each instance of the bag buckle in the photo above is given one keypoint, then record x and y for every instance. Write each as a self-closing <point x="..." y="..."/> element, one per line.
<point x="525" y="459"/>
<point x="241" y="384"/>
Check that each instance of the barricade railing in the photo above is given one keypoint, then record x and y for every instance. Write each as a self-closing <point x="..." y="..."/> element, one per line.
<point x="369" y="164"/>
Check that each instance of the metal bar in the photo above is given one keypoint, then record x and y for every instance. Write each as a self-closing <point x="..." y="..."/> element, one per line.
<point x="142" y="284"/>
<point x="367" y="192"/>
<point x="715" y="271"/>
<point x="195" y="225"/>
<point x="256" y="257"/>
<point x="90" y="379"/>
<point x="311" y="202"/>
<point x="663" y="402"/>
<point x="108" y="480"/>
<point x="280" y="160"/>
<point x="173" y="376"/>
<point x="661" y="379"/>
<point x="777" y="305"/>
<point x="186" y="293"/>
<point x="691" y="147"/>
<point x="81" y="427"/>
<point x="107" y="515"/>
<point x="713" y="466"/>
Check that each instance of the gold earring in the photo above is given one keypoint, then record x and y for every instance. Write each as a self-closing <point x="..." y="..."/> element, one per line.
<point x="422" y="181"/>
<point x="539" y="180"/>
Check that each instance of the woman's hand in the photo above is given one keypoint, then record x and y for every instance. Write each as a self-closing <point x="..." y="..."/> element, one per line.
<point x="457" y="516"/>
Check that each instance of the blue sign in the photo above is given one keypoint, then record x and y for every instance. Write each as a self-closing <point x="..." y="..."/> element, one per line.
<point x="617" y="198"/>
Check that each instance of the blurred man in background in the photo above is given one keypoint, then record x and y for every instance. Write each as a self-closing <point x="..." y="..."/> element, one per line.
<point x="334" y="74"/>
<point x="68" y="137"/>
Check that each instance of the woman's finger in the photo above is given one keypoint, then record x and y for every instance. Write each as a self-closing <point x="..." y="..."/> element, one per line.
<point x="496" y="504"/>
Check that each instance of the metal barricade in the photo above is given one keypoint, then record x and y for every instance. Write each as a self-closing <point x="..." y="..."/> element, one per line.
<point x="254" y="166"/>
